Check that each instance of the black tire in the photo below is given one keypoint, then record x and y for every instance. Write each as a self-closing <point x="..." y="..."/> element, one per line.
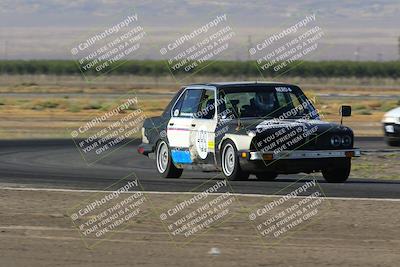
<point x="339" y="173"/>
<point x="266" y="176"/>
<point x="165" y="166"/>
<point x="230" y="163"/>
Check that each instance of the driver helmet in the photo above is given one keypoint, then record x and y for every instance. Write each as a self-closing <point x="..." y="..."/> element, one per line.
<point x="265" y="101"/>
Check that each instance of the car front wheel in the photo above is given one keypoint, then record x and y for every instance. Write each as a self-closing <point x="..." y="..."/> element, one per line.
<point x="165" y="166"/>
<point x="339" y="173"/>
<point x="230" y="163"/>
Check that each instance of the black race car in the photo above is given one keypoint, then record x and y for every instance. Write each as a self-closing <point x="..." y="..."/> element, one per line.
<point x="247" y="128"/>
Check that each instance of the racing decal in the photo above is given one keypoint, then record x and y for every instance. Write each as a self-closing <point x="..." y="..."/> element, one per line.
<point x="202" y="142"/>
<point x="276" y="124"/>
<point x="181" y="156"/>
<point x="178" y="129"/>
<point x="312" y="122"/>
<point x="283" y="89"/>
<point x="211" y="145"/>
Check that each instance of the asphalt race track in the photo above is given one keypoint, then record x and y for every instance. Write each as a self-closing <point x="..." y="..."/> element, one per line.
<point x="58" y="164"/>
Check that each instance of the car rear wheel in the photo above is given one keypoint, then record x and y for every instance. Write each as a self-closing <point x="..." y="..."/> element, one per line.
<point x="230" y="163"/>
<point x="266" y="176"/>
<point x="165" y="166"/>
<point x="339" y="173"/>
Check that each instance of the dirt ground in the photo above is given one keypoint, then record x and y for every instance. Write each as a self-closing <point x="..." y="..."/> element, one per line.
<point x="35" y="230"/>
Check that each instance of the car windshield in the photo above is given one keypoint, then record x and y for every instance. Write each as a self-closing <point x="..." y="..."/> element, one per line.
<point x="285" y="102"/>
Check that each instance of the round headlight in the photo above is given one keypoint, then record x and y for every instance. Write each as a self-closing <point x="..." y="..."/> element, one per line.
<point x="336" y="140"/>
<point x="346" y="140"/>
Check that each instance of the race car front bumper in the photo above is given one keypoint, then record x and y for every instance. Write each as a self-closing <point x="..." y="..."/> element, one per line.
<point x="302" y="154"/>
<point x="296" y="161"/>
<point x="392" y="131"/>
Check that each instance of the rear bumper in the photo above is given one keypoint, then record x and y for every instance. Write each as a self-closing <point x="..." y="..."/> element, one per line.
<point x="145" y="149"/>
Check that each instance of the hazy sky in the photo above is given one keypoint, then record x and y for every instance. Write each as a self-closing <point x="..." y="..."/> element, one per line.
<point x="47" y="29"/>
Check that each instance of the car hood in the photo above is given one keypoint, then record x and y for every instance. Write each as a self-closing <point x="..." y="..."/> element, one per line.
<point x="393" y="113"/>
<point x="272" y="125"/>
<point x="294" y="133"/>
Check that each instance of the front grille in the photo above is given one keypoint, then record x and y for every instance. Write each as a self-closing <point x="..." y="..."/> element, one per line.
<point x="312" y="141"/>
<point x="317" y="141"/>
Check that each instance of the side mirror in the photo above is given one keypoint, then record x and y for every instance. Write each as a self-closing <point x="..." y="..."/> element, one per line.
<point x="345" y="111"/>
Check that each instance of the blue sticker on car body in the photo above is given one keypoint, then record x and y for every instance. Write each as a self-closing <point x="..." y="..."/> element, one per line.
<point x="181" y="156"/>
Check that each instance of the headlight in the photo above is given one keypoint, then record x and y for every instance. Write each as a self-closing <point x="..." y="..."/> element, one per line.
<point x="346" y="140"/>
<point x="336" y="141"/>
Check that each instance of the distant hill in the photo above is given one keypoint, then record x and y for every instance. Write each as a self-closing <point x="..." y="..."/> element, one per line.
<point x="356" y="29"/>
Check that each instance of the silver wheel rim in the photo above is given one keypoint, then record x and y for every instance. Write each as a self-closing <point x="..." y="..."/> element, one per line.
<point x="162" y="157"/>
<point x="228" y="160"/>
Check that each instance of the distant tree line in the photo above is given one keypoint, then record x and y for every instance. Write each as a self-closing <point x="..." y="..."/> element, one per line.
<point x="217" y="68"/>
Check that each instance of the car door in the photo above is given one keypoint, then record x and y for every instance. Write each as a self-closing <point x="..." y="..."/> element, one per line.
<point x="180" y="126"/>
<point x="202" y="141"/>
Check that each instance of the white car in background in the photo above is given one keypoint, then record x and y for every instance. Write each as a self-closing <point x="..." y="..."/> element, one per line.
<point x="391" y="127"/>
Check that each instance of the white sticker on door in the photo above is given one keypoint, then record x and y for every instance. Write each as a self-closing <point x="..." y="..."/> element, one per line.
<point x="202" y="142"/>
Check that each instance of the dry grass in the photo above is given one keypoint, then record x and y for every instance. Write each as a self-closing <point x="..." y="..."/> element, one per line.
<point x="56" y="117"/>
<point x="376" y="166"/>
<point x="113" y="84"/>
<point x="54" y="114"/>
<point x="45" y="106"/>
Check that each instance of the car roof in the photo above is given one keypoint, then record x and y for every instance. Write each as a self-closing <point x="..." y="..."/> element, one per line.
<point x="245" y="83"/>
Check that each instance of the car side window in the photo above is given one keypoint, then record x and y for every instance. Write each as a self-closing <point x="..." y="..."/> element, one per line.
<point x="187" y="104"/>
<point x="207" y="105"/>
<point x="296" y="104"/>
<point x="290" y="101"/>
<point x="177" y="107"/>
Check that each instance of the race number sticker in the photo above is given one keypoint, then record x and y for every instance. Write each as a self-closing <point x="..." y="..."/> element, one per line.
<point x="202" y="142"/>
<point x="283" y="89"/>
